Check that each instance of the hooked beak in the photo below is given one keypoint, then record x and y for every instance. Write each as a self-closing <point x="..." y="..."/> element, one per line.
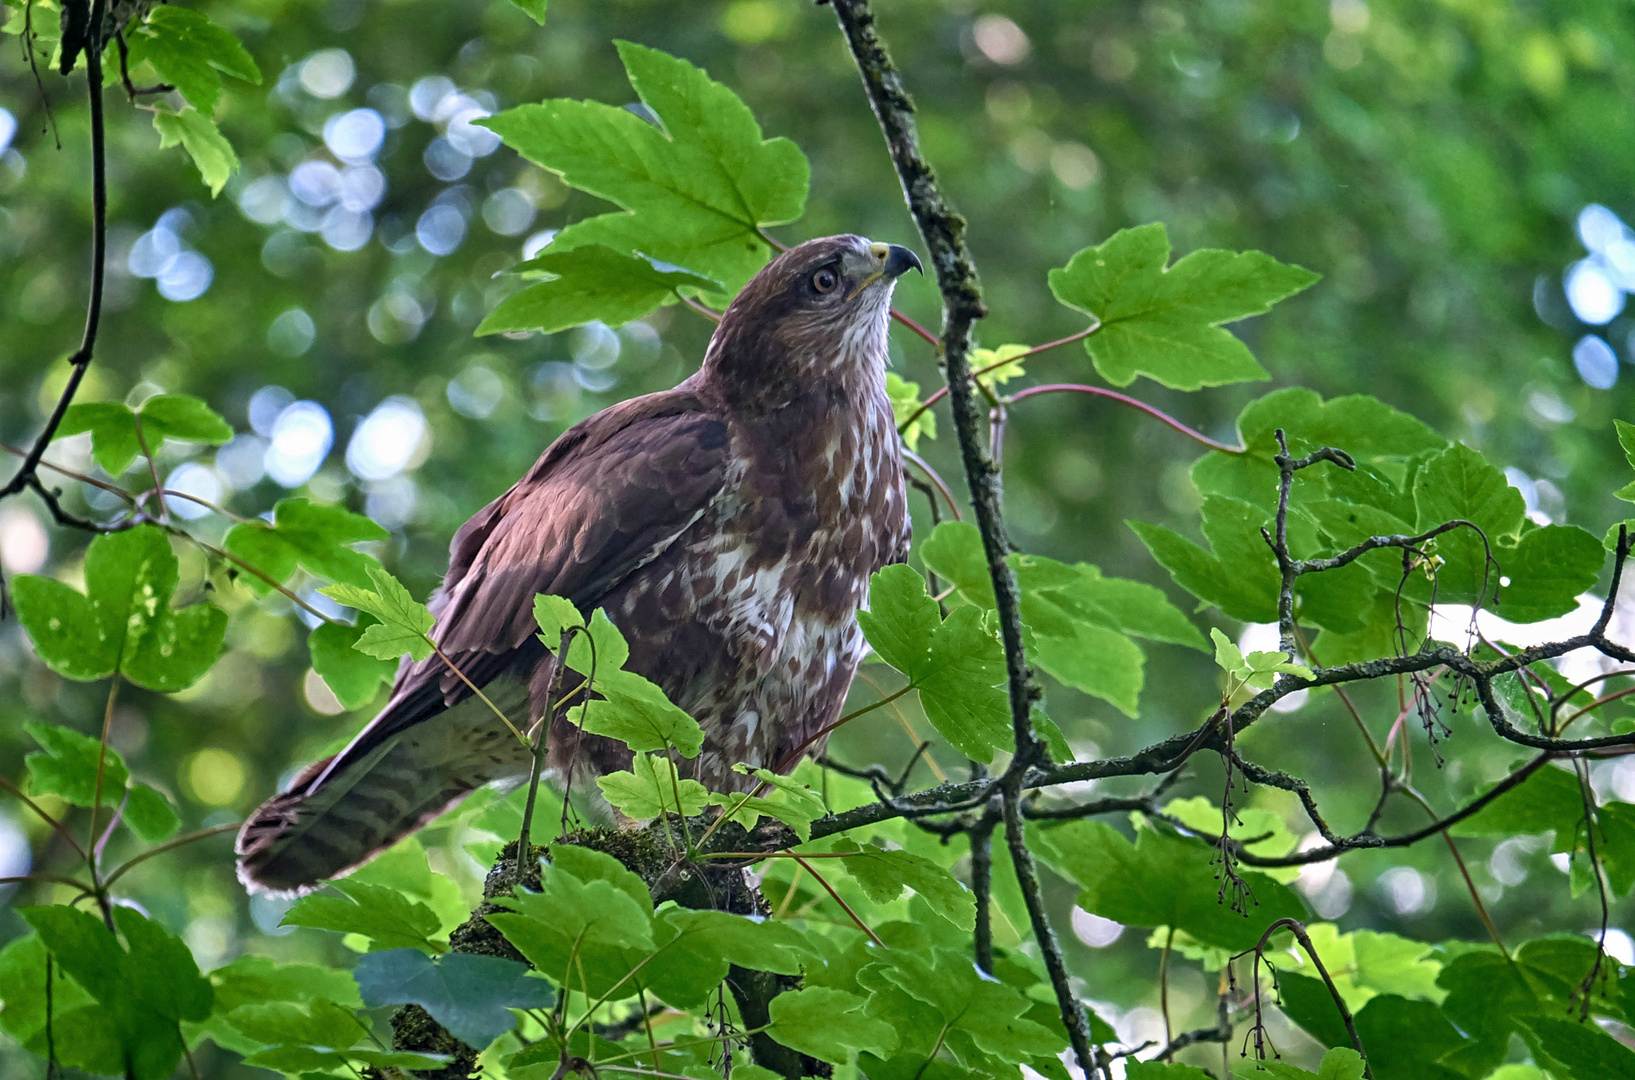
<point x="895" y="261"/>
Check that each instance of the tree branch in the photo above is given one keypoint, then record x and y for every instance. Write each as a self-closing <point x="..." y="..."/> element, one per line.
<point x="944" y="233"/>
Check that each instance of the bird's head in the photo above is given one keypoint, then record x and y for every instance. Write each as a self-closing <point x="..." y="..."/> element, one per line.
<point x="819" y="308"/>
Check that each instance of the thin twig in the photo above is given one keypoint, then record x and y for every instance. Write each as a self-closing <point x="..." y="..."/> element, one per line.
<point x="847" y="908"/>
<point x="160" y="849"/>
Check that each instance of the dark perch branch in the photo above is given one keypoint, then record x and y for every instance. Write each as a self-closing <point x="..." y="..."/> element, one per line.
<point x="944" y="233"/>
<point x="25" y="475"/>
<point x="980" y="833"/>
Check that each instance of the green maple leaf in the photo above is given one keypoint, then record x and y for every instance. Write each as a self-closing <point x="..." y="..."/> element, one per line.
<point x="123" y="621"/>
<point x="905" y="402"/>
<point x="302" y="533"/>
<point x="112" y="424"/>
<point x="1164" y="323"/>
<point x="403" y="622"/>
<point x="589" y="283"/>
<point x="695" y="192"/>
<point x="196" y="133"/>
<point x="956" y="664"/>
<point x="628" y="706"/>
<point x="191" y="53"/>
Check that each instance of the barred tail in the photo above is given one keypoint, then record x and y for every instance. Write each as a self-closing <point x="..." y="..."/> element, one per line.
<point x="309" y="834"/>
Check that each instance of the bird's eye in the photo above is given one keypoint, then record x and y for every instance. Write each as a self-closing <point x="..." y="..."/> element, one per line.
<point x="825" y="280"/>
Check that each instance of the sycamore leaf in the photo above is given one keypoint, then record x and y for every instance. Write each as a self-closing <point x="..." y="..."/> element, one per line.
<point x="1081" y="621"/>
<point x="302" y="533"/>
<point x="1004" y="361"/>
<point x="196" y="133"/>
<point x="306" y="1060"/>
<point x="255" y="978"/>
<point x="1546" y="572"/>
<point x="1460" y="483"/>
<point x="975" y="1011"/>
<point x="884" y="874"/>
<point x="593" y="283"/>
<point x="578" y="932"/>
<point x="905" y="402"/>
<point x="1237" y="572"/>
<point x="388" y="918"/>
<point x="1258" y="670"/>
<point x="1161" y="880"/>
<point x="827" y="1024"/>
<point x="84" y="1033"/>
<point x="471" y="996"/>
<point x="145" y="987"/>
<point x="123" y="621"/>
<point x="1165" y="322"/>
<point x="1160" y="1070"/>
<point x="1626" y="441"/>
<point x="956" y="664"/>
<point x="404" y="622"/>
<point x="652" y="788"/>
<point x="112" y="424"/>
<point x="791" y="802"/>
<point x="351" y="675"/>
<point x="626" y="706"/>
<point x="66" y="766"/>
<point x="190" y="52"/>
<point x="693" y="192"/>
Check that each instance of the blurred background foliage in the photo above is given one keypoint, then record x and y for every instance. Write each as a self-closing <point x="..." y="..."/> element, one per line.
<point x="1454" y="168"/>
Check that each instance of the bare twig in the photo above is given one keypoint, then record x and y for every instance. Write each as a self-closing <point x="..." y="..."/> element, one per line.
<point x="1298" y="929"/>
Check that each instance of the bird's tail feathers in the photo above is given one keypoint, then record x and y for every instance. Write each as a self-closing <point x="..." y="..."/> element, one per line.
<point x="329" y="823"/>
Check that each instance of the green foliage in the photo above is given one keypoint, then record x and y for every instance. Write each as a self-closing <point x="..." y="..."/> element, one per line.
<point x="652" y="788"/>
<point x="1341" y="1063"/>
<point x="695" y="193"/>
<point x="630" y="708"/>
<point x="142" y="990"/>
<point x="388" y="918"/>
<point x="1258" y="670"/>
<point x="116" y="440"/>
<point x="352" y="675"/>
<point x="956" y="663"/>
<point x="1080" y="622"/>
<point x="694" y="187"/>
<point x="303" y="534"/>
<point x="905" y="402"/>
<point x="1164" y="321"/>
<point x="67" y="766"/>
<point x="884" y="874"/>
<point x="828" y="1024"/>
<point x="402" y="622"/>
<point x="587" y="284"/>
<point x="790" y="802"/>
<point x="1164" y="880"/>
<point x="196" y="133"/>
<point x="191" y="53"/>
<point x="471" y="996"/>
<point x="123" y="622"/>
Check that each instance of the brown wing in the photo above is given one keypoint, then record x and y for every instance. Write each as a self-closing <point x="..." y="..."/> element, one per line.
<point x="605" y="499"/>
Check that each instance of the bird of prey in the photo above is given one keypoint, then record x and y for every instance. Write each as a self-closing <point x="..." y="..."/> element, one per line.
<point x="728" y="527"/>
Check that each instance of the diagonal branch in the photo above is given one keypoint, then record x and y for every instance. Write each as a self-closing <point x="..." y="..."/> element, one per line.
<point x="944" y="233"/>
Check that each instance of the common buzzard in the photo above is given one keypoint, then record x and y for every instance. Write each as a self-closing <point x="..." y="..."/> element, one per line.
<point x="728" y="527"/>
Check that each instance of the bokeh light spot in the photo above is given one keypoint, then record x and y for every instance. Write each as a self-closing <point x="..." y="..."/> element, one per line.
<point x="328" y="73"/>
<point x="1595" y="362"/>
<point x="390" y="437"/>
<point x="215" y="776"/>
<point x="292" y="333"/>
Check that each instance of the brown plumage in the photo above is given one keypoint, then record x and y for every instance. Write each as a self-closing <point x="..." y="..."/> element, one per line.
<point x="728" y="526"/>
